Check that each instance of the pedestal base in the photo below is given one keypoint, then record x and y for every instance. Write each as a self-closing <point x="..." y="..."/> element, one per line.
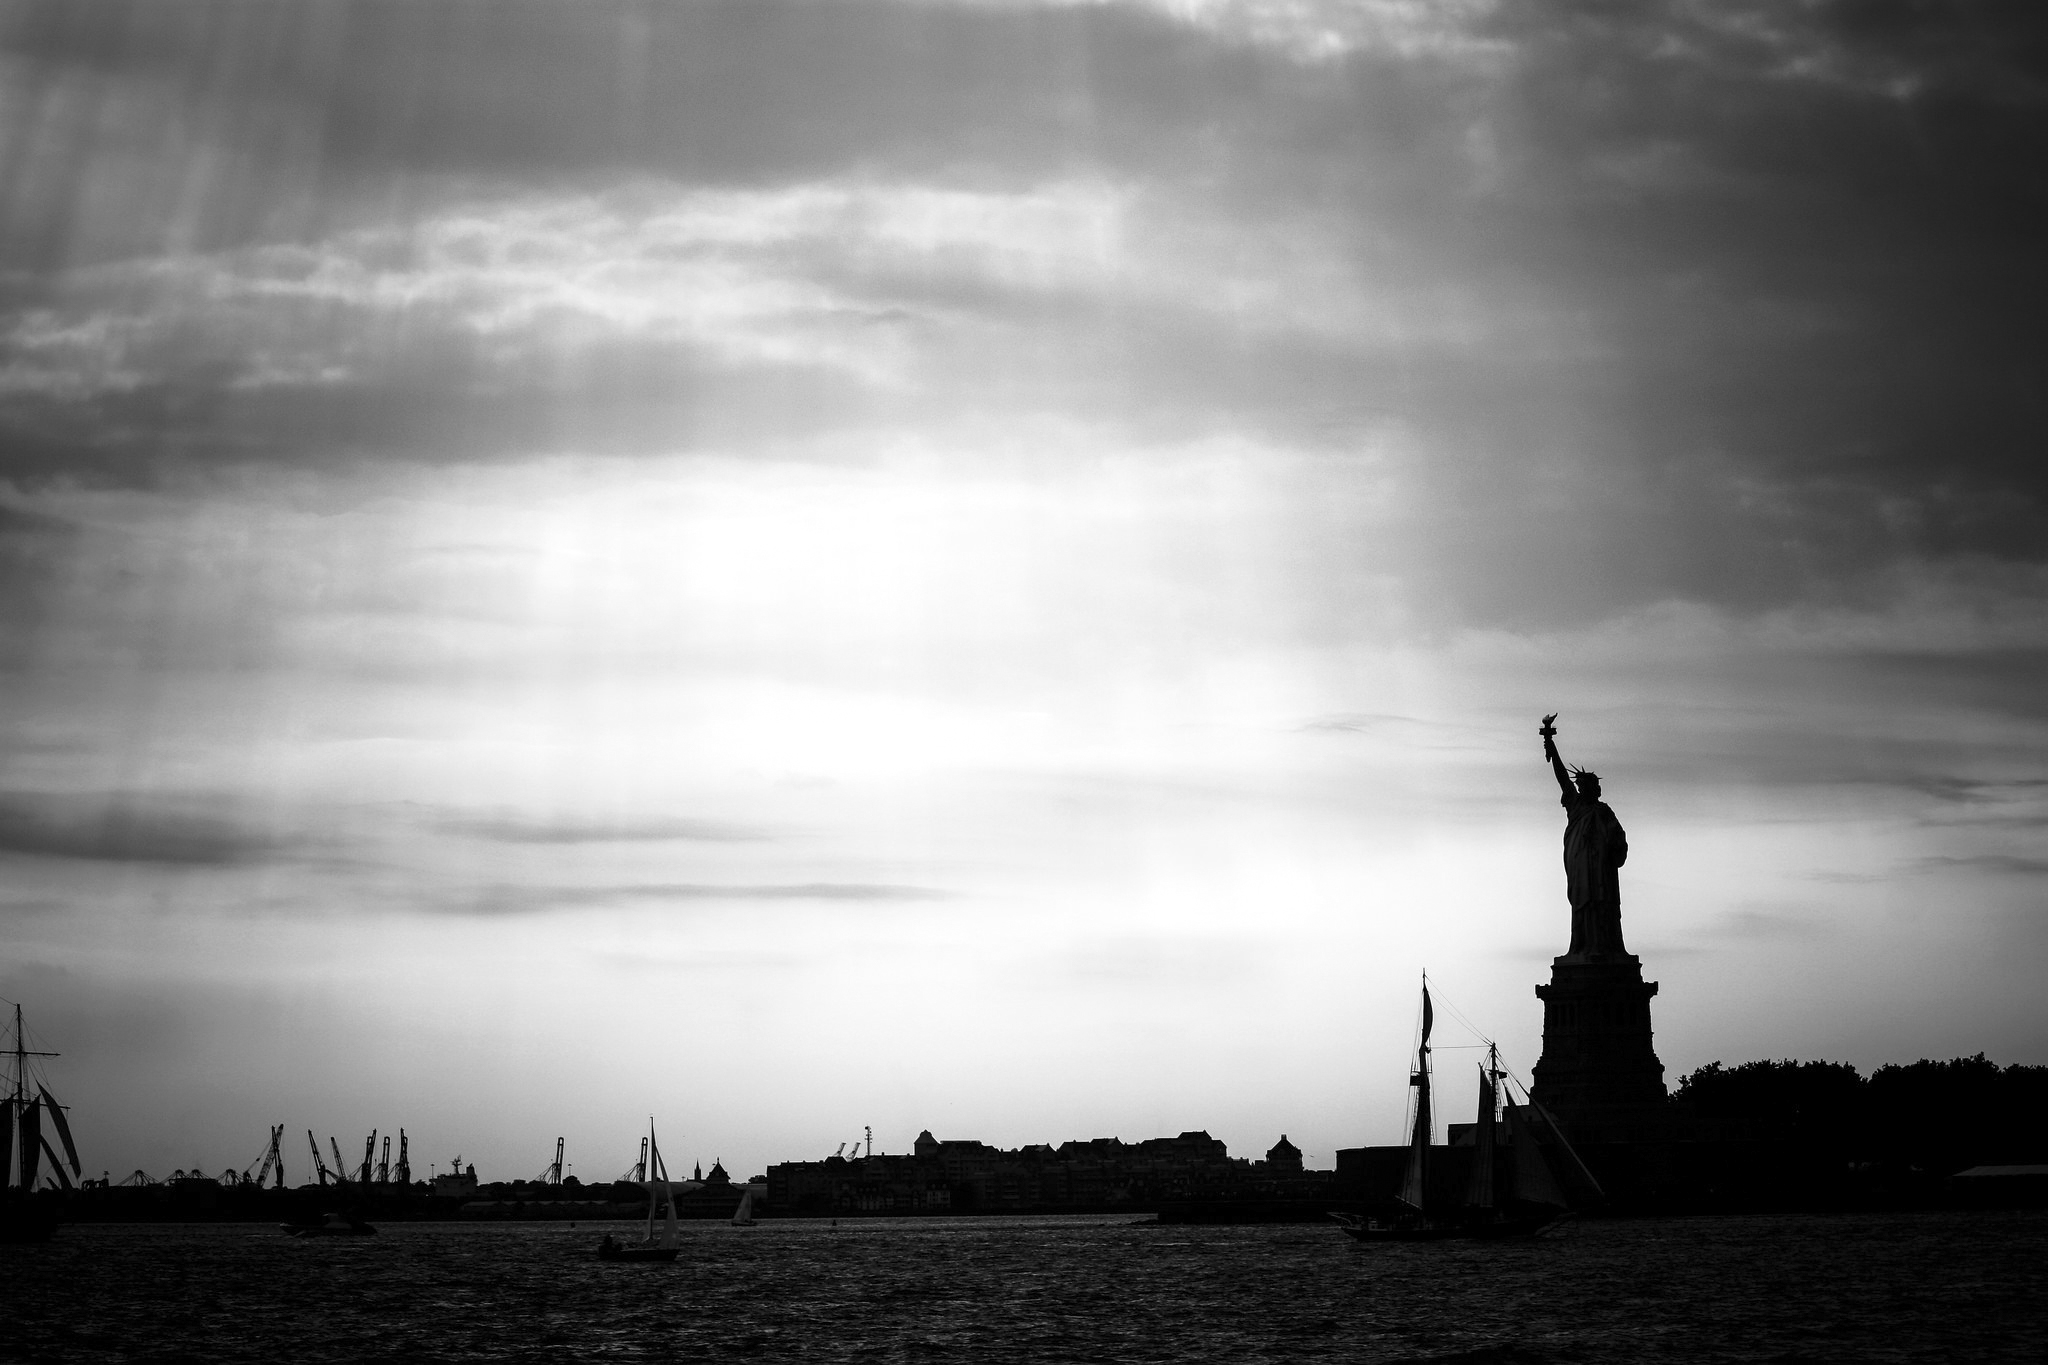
<point x="1599" y="1073"/>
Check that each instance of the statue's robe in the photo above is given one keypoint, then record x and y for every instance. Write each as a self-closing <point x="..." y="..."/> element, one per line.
<point x="1595" y="847"/>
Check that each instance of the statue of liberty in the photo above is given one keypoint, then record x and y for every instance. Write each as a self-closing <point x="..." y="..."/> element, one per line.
<point x="1595" y="847"/>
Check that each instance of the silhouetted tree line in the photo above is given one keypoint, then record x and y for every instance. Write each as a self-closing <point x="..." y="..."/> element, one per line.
<point x="1938" y="1116"/>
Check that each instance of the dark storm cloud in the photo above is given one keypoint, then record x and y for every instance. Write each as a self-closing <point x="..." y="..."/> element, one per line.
<point x="1811" y="241"/>
<point x="236" y="124"/>
<point x="740" y="92"/>
<point x="435" y="401"/>
<point x="125" y="830"/>
<point x="1739" y="303"/>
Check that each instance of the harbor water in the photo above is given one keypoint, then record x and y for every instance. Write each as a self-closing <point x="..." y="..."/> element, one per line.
<point x="1896" y="1287"/>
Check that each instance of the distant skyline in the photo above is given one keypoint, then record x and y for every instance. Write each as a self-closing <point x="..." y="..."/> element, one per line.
<point x="993" y="566"/>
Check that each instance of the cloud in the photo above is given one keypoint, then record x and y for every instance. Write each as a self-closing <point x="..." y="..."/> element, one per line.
<point x="33" y="909"/>
<point x="33" y="548"/>
<point x="1764" y="924"/>
<point x="520" y="830"/>
<point x="509" y="899"/>
<point x="124" y="829"/>
<point x="1970" y="790"/>
<point x="2003" y="864"/>
<point x="1361" y="724"/>
<point x="1753" y="326"/>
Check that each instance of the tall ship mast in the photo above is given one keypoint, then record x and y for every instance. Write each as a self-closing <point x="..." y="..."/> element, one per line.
<point x="1513" y="1187"/>
<point x="25" y="1214"/>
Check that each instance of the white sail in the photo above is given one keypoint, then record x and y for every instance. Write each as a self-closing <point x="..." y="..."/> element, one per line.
<point x="1532" y="1181"/>
<point x="31" y="1148"/>
<point x="656" y="1187"/>
<point x="1415" y="1180"/>
<point x="1553" y="1135"/>
<point x="63" y="1130"/>
<point x="659" y="1193"/>
<point x="668" y="1227"/>
<point x="1479" y="1189"/>
<point x="744" y="1215"/>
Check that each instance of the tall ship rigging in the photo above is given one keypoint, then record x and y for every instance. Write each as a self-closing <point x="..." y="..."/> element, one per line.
<point x="1513" y="1189"/>
<point x="26" y="1213"/>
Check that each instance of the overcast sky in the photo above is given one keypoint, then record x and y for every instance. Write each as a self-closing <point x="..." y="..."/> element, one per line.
<point x="994" y="566"/>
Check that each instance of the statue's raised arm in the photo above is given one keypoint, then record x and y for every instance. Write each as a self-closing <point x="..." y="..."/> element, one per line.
<point x="1564" y="777"/>
<point x="1595" y="847"/>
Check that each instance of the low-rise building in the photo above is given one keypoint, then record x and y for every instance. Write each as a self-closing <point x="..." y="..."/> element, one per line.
<point x="957" y="1176"/>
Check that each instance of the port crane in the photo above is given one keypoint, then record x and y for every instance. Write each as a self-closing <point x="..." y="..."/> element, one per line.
<point x="637" y="1172"/>
<point x="404" y="1169"/>
<point x="319" y="1166"/>
<point x="340" y="1165"/>
<point x="272" y="1160"/>
<point x="384" y="1165"/>
<point x="369" y="1150"/>
<point x="553" y="1174"/>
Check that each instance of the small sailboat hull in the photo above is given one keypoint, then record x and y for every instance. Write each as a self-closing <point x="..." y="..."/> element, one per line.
<point x="659" y="1194"/>
<point x="1374" y="1230"/>
<point x="333" y="1225"/>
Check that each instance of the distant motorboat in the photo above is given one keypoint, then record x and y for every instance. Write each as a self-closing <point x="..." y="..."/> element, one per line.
<point x="330" y="1225"/>
<point x="1519" y="1196"/>
<point x="659" y="1194"/>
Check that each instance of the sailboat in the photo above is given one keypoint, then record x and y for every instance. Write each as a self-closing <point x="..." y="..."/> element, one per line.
<point x="1509" y="1194"/>
<point x="658" y="1195"/>
<point x="26" y="1214"/>
<point x="743" y="1216"/>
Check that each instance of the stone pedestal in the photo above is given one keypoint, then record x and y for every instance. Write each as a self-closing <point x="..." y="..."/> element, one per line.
<point x="1599" y="1074"/>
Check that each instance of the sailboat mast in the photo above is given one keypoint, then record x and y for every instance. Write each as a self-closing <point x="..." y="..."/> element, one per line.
<point x="23" y="1119"/>
<point x="14" y="1104"/>
<point x="1479" y="1189"/>
<point x="22" y="1127"/>
<point x="1424" y="1120"/>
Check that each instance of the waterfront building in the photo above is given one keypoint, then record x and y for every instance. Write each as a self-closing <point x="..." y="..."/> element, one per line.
<point x="1283" y="1157"/>
<point x="940" y="1176"/>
